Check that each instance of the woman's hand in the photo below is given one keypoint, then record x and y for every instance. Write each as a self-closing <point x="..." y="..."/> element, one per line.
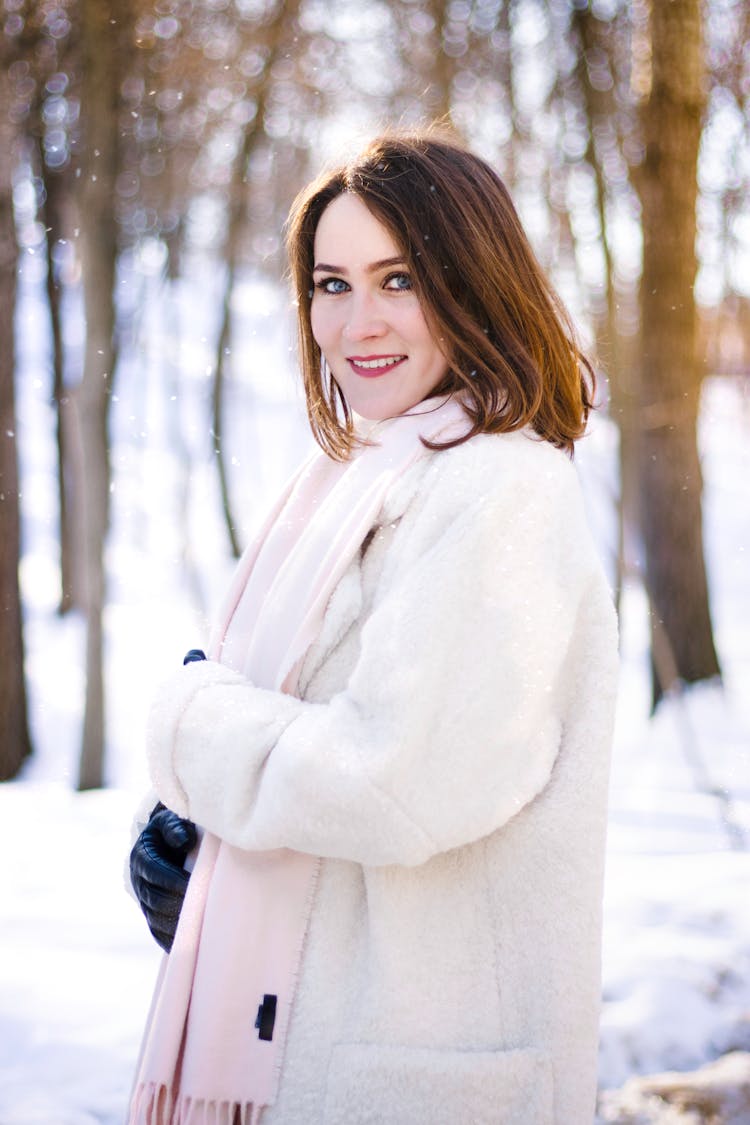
<point x="157" y="873"/>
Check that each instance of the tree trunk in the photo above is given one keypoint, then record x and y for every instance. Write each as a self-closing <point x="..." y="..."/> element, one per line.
<point x="101" y="28"/>
<point x="438" y="95"/>
<point x="670" y="473"/>
<point x="52" y="214"/>
<point x="252" y="134"/>
<point x="278" y="31"/>
<point x="217" y="409"/>
<point x="616" y="350"/>
<point x="15" y="743"/>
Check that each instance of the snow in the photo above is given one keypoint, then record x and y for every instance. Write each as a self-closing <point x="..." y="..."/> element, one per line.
<point x="677" y="911"/>
<point x="79" y="964"/>
<point x="76" y="970"/>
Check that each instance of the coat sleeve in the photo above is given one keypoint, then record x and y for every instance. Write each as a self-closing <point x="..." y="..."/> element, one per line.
<point x="451" y="718"/>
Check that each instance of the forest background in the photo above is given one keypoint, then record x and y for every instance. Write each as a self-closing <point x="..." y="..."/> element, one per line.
<point x="149" y="150"/>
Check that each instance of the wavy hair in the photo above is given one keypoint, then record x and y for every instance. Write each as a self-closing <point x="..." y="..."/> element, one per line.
<point x="509" y="343"/>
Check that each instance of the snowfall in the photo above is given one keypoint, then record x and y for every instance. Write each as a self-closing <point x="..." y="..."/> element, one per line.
<point x="78" y="963"/>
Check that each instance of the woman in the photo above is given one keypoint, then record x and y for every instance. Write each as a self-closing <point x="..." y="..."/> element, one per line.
<point x="399" y="751"/>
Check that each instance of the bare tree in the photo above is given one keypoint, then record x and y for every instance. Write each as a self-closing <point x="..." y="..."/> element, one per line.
<point x="629" y="92"/>
<point x="595" y="79"/>
<point x="55" y="187"/>
<point x="670" y="471"/>
<point x="103" y="44"/>
<point x="275" y="36"/>
<point x="15" y="743"/>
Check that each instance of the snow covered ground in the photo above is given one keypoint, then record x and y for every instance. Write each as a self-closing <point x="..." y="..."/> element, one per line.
<point x="77" y="962"/>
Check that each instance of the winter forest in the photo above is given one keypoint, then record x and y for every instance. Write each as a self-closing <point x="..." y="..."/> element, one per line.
<point x="150" y="409"/>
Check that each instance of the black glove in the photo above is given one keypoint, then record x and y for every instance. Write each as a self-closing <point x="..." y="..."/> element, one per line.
<point x="156" y="872"/>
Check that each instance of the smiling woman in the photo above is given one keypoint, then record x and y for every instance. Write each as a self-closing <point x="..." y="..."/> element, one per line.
<point x="508" y="343"/>
<point x="366" y="316"/>
<point x="398" y="750"/>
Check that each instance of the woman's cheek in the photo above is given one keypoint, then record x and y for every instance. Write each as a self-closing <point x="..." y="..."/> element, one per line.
<point x="320" y="322"/>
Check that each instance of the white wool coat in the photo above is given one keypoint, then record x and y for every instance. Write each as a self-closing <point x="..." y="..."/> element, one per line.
<point x="448" y="759"/>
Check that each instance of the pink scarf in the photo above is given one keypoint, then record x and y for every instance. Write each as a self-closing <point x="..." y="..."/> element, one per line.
<point x="238" y="946"/>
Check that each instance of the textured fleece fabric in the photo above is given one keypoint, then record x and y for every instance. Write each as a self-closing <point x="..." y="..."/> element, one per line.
<point x="448" y="759"/>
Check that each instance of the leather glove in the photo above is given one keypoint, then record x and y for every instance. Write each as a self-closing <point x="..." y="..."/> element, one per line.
<point x="157" y="874"/>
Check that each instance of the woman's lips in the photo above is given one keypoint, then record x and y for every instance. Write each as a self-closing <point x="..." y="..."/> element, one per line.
<point x="372" y="366"/>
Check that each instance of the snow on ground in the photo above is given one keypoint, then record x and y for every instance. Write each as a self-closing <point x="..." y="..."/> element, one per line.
<point x="78" y="963"/>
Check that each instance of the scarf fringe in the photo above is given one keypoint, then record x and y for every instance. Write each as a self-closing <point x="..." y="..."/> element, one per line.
<point x="155" y="1104"/>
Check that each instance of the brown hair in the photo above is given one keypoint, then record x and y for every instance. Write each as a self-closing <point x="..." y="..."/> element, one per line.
<point x="510" y="345"/>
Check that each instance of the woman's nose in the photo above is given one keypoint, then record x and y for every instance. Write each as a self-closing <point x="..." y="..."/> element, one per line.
<point x="363" y="320"/>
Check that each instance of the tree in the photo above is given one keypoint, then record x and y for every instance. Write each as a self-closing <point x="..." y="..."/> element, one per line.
<point x="15" y="743"/>
<point x="625" y="113"/>
<point x="56" y="189"/>
<point x="670" y="471"/>
<point x="103" y="46"/>
<point x="595" y="79"/>
<point x="49" y="44"/>
<point x="276" y="33"/>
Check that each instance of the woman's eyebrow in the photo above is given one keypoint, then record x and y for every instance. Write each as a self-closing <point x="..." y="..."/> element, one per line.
<point x="383" y="263"/>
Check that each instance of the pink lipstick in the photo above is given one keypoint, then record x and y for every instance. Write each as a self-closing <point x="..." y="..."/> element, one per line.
<point x="372" y="366"/>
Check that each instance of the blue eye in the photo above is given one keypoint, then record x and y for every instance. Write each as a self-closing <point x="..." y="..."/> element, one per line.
<point x="401" y="282"/>
<point x="331" y="285"/>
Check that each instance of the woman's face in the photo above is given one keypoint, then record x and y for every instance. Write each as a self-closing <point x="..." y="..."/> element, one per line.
<point x="365" y="315"/>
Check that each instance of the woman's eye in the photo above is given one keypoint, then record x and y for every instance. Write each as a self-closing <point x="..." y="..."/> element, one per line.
<point x="331" y="285"/>
<point x="398" y="281"/>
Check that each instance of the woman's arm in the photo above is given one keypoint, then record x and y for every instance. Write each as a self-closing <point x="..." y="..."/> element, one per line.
<point x="451" y="718"/>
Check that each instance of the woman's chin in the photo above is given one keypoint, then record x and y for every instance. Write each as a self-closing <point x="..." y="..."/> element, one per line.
<point x="378" y="408"/>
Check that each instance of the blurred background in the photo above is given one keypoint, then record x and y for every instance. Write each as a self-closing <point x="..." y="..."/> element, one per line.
<point x="149" y="409"/>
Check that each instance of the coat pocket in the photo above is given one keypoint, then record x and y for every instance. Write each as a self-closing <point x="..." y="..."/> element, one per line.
<point x="378" y="1085"/>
